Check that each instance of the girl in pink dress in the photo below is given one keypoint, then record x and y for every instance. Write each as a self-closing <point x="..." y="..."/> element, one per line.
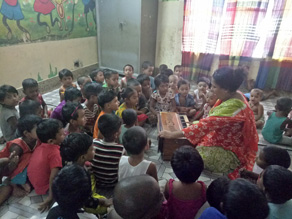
<point x="186" y="196"/>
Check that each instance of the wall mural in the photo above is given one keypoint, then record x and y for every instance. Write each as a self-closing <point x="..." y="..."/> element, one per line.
<point x="24" y="21"/>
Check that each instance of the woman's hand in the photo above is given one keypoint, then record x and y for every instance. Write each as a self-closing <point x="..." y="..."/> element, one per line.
<point x="46" y="205"/>
<point x="171" y="135"/>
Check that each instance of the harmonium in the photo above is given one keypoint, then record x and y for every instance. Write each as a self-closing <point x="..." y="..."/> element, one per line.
<point x="172" y="122"/>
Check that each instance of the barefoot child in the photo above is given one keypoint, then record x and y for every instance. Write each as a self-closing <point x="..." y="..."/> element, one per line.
<point x="144" y="80"/>
<point x="66" y="78"/>
<point x="129" y="117"/>
<point x="128" y="71"/>
<point x="112" y="81"/>
<point x="257" y="108"/>
<point x="173" y="80"/>
<point x="131" y="99"/>
<point x="23" y="148"/>
<point x="46" y="160"/>
<point x="200" y="92"/>
<point x="210" y="102"/>
<point x="178" y="72"/>
<point x="147" y="69"/>
<point x="82" y="81"/>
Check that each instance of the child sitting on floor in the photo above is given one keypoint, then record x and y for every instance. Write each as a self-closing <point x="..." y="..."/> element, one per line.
<point x="145" y="202"/>
<point x="276" y="123"/>
<point x="91" y="109"/>
<point x="129" y="117"/>
<point x="77" y="148"/>
<point x="31" y="91"/>
<point x="135" y="142"/>
<point x="105" y="163"/>
<point x="109" y="103"/>
<point x="257" y="108"/>
<point x="66" y="78"/>
<point x="269" y="155"/>
<point x="186" y="196"/>
<point x="184" y="101"/>
<point x="73" y="114"/>
<point x="161" y="99"/>
<point x="46" y="160"/>
<point x="97" y="76"/>
<point x="82" y="81"/>
<point x="112" y="81"/>
<point x="29" y="107"/>
<point x="276" y="182"/>
<point x="178" y="72"/>
<point x="71" y="189"/>
<point x="144" y="80"/>
<point x="147" y="69"/>
<point x="130" y="97"/>
<point x="23" y="148"/>
<point x="201" y="91"/>
<point x="9" y="115"/>
<point x="211" y="99"/>
<point x="128" y="71"/>
<point x="5" y="189"/>
<point x="173" y="80"/>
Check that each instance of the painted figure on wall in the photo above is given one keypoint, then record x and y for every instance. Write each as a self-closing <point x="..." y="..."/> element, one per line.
<point x="10" y="9"/>
<point x="45" y="7"/>
<point x="61" y="13"/>
<point x="89" y="5"/>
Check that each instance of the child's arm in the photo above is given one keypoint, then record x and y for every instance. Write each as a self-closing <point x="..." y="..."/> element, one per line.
<point x="49" y="200"/>
<point x="260" y="112"/>
<point x="173" y="105"/>
<point x="152" y="171"/>
<point x="199" y="115"/>
<point x="12" y="121"/>
<point x="152" y="105"/>
<point x="166" y="189"/>
<point x="8" y="162"/>
<point x="45" y="107"/>
<point x="269" y="113"/>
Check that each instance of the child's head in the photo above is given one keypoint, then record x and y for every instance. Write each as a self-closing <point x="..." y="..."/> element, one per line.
<point x="147" y="68"/>
<point x="211" y="98"/>
<point x="91" y="92"/>
<point x="82" y="80"/>
<point x="135" y="140"/>
<point x="284" y="104"/>
<point x="111" y="78"/>
<point x="162" y="67"/>
<point x="50" y="131"/>
<point x="272" y="155"/>
<point x="136" y="85"/>
<point x="72" y="94"/>
<point x="130" y="97"/>
<point x="8" y="96"/>
<point x="216" y="191"/>
<point x="203" y="84"/>
<point x="161" y="82"/>
<point x="110" y="126"/>
<point x="177" y="70"/>
<point x="173" y="79"/>
<point x="187" y="164"/>
<point x="256" y="95"/>
<point x="30" y="107"/>
<point x="129" y="117"/>
<point x="128" y="71"/>
<point x="167" y="72"/>
<point x="66" y="77"/>
<point x="276" y="182"/>
<point x="144" y="203"/>
<point x="97" y="75"/>
<point x="77" y="148"/>
<point x="244" y="200"/>
<point x="30" y="88"/>
<point x="144" y="80"/>
<point x="71" y="187"/>
<point x="27" y="126"/>
<point x="183" y="87"/>
<point x="108" y="100"/>
<point x="73" y="113"/>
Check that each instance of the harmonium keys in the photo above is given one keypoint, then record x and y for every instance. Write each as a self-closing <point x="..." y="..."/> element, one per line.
<point x="172" y="122"/>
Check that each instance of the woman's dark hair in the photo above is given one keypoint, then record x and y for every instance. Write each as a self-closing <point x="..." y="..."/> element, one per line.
<point x="105" y="96"/>
<point x="182" y="82"/>
<point x="228" y="78"/>
<point x="28" y="83"/>
<point x="27" y="123"/>
<point x="48" y="129"/>
<point x="108" y="125"/>
<point x="74" y="146"/>
<point x="216" y="191"/>
<point x="128" y="92"/>
<point x="65" y="73"/>
<point x="72" y="93"/>
<point x="72" y="187"/>
<point x="276" y="156"/>
<point x="277" y="181"/>
<point x="284" y="104"/>
<point x="129" y="117"/>
<point x="187" y="164"/>
<point x="69" y="111"/>
<point x="244" y="200"/>
<point x="28" y="107"/>
<point x="5" y="89"/>
<point x="142" y="77"/>
<point x="129" y="66"/>
<point x="133" y="82"/>
<point x="135" y="140"/>
<point x="160" y="79"/>
<point x="92" y="89"/>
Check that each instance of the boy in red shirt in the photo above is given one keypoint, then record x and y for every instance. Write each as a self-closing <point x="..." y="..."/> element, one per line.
<point x="46" y="160"/>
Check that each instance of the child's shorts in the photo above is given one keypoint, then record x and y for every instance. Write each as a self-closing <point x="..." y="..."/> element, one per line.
<point x="20" y="178"/>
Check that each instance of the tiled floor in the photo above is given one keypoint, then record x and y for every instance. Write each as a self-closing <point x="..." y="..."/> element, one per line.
<point x="27" y="207"/>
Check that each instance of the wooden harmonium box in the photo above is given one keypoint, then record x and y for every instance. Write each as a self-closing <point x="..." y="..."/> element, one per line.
<point x="172" y="122"/>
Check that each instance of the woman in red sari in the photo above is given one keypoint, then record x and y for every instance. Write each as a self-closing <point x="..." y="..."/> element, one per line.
<point x="227" y="139"/>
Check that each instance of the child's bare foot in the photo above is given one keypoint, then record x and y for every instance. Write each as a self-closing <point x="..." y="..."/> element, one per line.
<point x="18" y="191"/>
<point x="26" y="187"/>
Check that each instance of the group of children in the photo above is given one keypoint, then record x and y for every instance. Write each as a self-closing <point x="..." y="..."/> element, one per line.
<point x="91" y="147"/>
